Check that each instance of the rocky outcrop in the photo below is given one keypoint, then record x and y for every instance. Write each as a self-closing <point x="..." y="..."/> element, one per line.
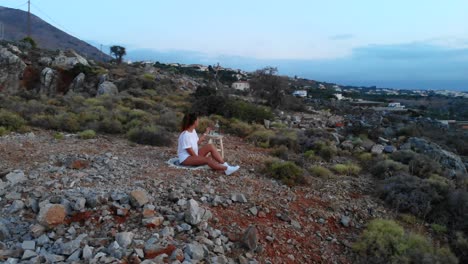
<point x="49" y="79"/>
<point x="78" y="83"/>
<point x="68" y="62"/>
<point x="447" y="159"/>
<point x="12" y="71"/>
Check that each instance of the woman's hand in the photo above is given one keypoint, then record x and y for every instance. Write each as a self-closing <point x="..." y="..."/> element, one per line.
<point x="208" y="129"/>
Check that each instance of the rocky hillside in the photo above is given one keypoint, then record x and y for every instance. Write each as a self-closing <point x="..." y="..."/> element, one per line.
<point x="46" y="35"/>
<point x="84" y="176"/>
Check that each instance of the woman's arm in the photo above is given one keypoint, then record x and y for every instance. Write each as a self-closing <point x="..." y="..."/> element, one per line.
<point x="200" y="139"/>
<point x="191" y="152"/>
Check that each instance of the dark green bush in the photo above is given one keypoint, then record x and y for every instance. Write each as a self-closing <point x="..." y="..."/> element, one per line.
<point x="410" y="194"/>
<point x="321" y="172"/>
<point x="418" y="164"/>
<point x="386" y="168"/>
<point x="285" y="171"/>
<point x="110" y="126"/>
<point x="150" y="135"/>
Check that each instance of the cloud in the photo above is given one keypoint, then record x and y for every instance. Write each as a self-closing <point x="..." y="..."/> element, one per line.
<point x="341" y="37"/>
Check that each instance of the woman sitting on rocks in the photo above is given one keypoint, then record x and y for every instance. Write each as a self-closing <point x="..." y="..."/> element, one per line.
<point x="190" y="155"/>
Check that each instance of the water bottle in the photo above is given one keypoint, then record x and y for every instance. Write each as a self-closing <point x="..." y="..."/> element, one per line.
<point x="216" y="128"/>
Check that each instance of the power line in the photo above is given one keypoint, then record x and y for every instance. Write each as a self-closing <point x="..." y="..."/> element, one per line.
<point x="55" y="22"/>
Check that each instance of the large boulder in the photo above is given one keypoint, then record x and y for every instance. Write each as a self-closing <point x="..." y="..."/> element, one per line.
<point x="447" y="159"/>
<point x="49" y="80"/>
<point x="65" y="62"/>
<point x="12" y="71"/>
<point x="78" y="83"/>
<point x="107" y="88"/>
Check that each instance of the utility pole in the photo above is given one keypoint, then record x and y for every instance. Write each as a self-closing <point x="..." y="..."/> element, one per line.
<point x="29" y="18"/>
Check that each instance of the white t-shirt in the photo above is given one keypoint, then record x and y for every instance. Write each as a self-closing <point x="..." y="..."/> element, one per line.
<point x="187" y="140"/>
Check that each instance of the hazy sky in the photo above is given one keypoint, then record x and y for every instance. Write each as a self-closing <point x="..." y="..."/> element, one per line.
<point x="343" y="40"/>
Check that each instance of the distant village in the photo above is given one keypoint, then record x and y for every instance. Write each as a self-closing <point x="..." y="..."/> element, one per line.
<point x="242" y="84"/>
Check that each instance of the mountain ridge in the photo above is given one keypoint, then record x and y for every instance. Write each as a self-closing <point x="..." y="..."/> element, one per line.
<point x="46" y="35"/>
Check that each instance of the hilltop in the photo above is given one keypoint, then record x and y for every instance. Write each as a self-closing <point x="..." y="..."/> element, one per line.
<point x="84" y="178"/>
<point x="46" y="35"/>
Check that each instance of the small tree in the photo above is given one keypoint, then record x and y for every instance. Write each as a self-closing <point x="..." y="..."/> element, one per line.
<point x="268" y="85"/>
<point x="118" y="52"/>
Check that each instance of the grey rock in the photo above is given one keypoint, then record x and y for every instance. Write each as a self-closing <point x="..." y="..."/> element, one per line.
<point x="15" y="177"/>
<point x="107" y="88"/>
<point x="250" y="238"/>
<point x="71" y="246"/>
<point x="28" y="244"/>
<point x="447" y="159"/>
<point x="77" y="83"/>
<point x="124" y="239"/>
<point x="194" y="214"/>
<point x="67" y="62"/>
<point x="16" y="206"/>
<point x="296" y="224"/>
<point x="195" y="251"/>
<point x="12" y="71"/>
<point x="238" y="197"/>
<point x="43" y="240"/>
<point x="253" y="210"/>
<point x="28" y="254"/>
<point x="75" y="256"/>
<point x="4" y="231"/>
<point x="87" y="252"/>
<point x="389" y="149"/>
<point x="347" y="145"/>
<point x="49" y="82"/>
<point x="377" y="149"/>
<point x="345" y="220"/>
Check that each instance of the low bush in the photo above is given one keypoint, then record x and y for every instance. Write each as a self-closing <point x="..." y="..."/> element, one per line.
<point x="261" y="137"/>
<point x="11" y="121"/>
<point x="285" y="171"/>
<point x="386" y="168"/>
<point x="110" y="126"/>
<point x="150" y="135"/>
<point x="59" y="136"/>
<point x="439" y="229"/>
<point x="286" y="138"/>
<point x="239" y="128"/>
<point x="384" y="241"/>
<point x="410" y="194"/>
<point x="321" y="172"/>
<point x="418" y="164"/>
<point x="349" y="169"/>
<point x="281" y="152"/>
<point x="3" y="131"/>
<point x="87" y="134"/>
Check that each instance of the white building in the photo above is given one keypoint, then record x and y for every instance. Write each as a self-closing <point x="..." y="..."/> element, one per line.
<point x="339" y="96"/>
<point x="300" y="93"/>
<point x="396" y="105"/>
<point x="241" y="85"/>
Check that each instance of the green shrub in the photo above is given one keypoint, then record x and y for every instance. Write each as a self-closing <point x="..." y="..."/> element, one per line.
<point x="321" y="172"/>
<point x="261" y="137"/>
<point x="3" y="131"/>
<point x="347" y="169"/>
<point x="309" y="154"/>
<point x="280" y="152"/>
<point x="408" y="218"/>
<point x="11" y="121"/>
<point x="365" y="157"/>
<point x="239" y="128"/>
<point x="68" y="122"/>
<point x="325" y="150"/>
<point x="150" y="135"/>
<point x="439" y="229"/>
<point x="340" y="169"/>
<point x="59" y="136"/>
<point x="384" y="241"/>
<point x="285" y="171"/>
<point x="87" y="134"/>
<point x="111" y="126"/>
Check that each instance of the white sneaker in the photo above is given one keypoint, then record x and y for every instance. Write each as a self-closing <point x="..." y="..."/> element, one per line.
<point x="231" y="169"/>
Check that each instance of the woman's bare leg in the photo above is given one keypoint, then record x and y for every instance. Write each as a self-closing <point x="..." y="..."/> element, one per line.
<point x="210" y="149"/>
<point x="202" y="160"/>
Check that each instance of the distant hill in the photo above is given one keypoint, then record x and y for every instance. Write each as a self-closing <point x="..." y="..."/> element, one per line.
<point x="46" y="35"/>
